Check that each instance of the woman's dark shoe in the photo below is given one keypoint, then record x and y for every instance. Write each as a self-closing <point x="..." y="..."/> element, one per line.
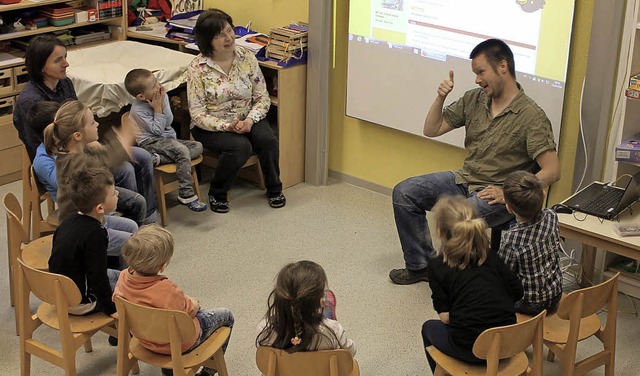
<point x="218" y="206"/>
<point x="277" y="201"/>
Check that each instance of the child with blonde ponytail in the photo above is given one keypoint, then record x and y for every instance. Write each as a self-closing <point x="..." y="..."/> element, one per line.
<point x="295" y="320"/>
<point x="472" y="289"/>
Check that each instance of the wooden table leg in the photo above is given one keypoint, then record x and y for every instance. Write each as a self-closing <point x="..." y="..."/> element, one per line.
<point x="587" y="262"/>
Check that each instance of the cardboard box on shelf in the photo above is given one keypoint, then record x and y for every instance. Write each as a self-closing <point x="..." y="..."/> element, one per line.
<point x="629" y="151"/>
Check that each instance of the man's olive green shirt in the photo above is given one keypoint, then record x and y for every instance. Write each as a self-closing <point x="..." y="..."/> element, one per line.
<point x="498" y="146"/>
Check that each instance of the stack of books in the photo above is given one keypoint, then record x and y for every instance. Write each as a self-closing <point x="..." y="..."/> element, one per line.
<point x="287" y="42"/>
<point x="58" y="14"/>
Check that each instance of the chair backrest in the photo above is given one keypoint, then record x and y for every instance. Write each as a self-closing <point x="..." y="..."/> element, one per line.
<point x="590" y="299"/>
<point x="55" y="289"/>
<point x="15" y="237"/>
<point x="277" y="362"/>
<point x="154" y="324"/>
<point x="15" y="230"/>
<point x="506" y="341"/>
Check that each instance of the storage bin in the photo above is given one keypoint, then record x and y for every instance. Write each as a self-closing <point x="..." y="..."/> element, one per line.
<point x="8" y="133"/>
<point x="6" y="81"/>
<point x="20" y="77"/>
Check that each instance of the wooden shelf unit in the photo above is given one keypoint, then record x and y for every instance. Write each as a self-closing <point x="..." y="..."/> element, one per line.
<point x="12" y="76"/>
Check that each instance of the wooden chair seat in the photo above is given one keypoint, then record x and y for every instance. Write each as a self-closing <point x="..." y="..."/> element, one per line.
<point x="556" y="330"/>
<point x="163" y="187"/>
<point x="516" y="365"/>
<point x="194" y="358"/>
<point x="48" y="314"/>
<point x="36" y="254"/>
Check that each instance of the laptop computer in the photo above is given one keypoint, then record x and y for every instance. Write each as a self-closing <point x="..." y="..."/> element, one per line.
<point x="606" y="201"/>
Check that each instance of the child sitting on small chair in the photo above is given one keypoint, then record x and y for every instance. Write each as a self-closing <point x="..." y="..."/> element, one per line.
<point x="471" y="288"/>
<point x="152" y="112"/>
<point x="80" y="242"/>
<point x="148" y="252"/>
<point x="531" y="248"/>
<point x="296" y="320"/>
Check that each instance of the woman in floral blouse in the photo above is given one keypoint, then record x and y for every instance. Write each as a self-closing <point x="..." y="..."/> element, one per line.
<point x="228" y="102"/>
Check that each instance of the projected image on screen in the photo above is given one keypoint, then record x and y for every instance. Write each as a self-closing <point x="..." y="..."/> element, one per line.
<point x="400" y="50"/>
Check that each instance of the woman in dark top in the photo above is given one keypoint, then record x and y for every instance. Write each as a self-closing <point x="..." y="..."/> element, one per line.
<point x="472" y="290"/>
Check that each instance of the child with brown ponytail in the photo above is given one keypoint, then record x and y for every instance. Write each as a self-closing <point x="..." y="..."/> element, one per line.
<point x="295" y="320"/>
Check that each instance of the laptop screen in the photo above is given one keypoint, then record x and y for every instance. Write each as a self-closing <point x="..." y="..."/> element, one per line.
<point x="631" y="194"/>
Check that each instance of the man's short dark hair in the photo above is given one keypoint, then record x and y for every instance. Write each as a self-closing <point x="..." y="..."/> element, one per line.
<point x="524" y="193"/>
<point x="38" y="51"/>
<point x="495" y="50"/>
<point x="134" y="80"/>
<point x="89" y="187"/>
<point x="209" y="25"/>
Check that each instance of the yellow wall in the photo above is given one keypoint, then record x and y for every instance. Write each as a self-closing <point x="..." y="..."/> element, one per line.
<point x="384" y="156"/>
<point x="263" y="14"/>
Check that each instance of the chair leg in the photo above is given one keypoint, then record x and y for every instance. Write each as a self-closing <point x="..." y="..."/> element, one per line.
<point x="196" y="183"/>
<point x="88" y="347"/>
<point x="550" y="355"/>
<point x="221" y="365"/>
<point x="439" y="371"/>
<point x="160" y="199"/>
<point x="25" y="361"/>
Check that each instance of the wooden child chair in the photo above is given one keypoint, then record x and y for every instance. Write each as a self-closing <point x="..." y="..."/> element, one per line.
<point x="57" y="293"/>
<point x="277" y="362"/>
<point x="165" y="326"/>
<point x="576" y="320"/>
<point x="503" y="348"/>
<point x="33" y="195"/>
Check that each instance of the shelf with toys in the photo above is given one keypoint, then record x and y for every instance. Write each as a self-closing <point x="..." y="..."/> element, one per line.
<point x="21" y="20"/>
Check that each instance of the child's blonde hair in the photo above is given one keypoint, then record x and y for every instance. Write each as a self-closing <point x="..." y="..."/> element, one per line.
<point x="69" y="119"/>
<point x="148" y="249"/>
<point x="463" y="235"/>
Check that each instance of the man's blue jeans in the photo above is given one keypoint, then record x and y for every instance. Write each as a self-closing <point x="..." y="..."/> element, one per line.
<point x="211" y="320"/>
<point x="415" y="196"/>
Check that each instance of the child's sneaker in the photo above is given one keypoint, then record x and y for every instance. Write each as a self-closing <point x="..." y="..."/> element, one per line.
<point x="193" y="203"/>
<point x="329" y="308"/>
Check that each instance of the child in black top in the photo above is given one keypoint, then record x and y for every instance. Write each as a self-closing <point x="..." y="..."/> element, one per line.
<point x="472" y="289"/>
<point x="80" y="242"/>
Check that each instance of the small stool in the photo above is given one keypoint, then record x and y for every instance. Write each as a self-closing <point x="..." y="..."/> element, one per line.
<point x="162" y="187"/>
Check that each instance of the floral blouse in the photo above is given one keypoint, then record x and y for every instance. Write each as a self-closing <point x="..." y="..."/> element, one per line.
<point x="217" y="99"/>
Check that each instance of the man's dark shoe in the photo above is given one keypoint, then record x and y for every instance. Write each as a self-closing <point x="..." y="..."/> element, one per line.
<point x="113" y="341"/>
<point x="408" y="277"/>
<point x="218" y="206"/>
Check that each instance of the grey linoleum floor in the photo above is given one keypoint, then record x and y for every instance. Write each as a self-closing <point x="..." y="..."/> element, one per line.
<point x="231" y="260"/>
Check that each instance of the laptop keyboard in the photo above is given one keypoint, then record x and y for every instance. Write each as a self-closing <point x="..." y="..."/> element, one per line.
<point x="603" y="202"/>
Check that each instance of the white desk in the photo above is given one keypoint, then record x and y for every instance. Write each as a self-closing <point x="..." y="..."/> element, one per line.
<point x="594" y="233"/>
<point x="98" y="71"/>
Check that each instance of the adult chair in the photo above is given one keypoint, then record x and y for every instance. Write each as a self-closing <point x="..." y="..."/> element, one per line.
<point x="576" y="320"/>
<point x="58" y="293"/>
<point x="165" y="326"/>
<point x="503" y="348"/>
<point x="277" y="362"/>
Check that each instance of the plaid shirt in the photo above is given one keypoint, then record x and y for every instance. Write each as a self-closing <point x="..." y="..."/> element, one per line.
<point x="531" y="250"/>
